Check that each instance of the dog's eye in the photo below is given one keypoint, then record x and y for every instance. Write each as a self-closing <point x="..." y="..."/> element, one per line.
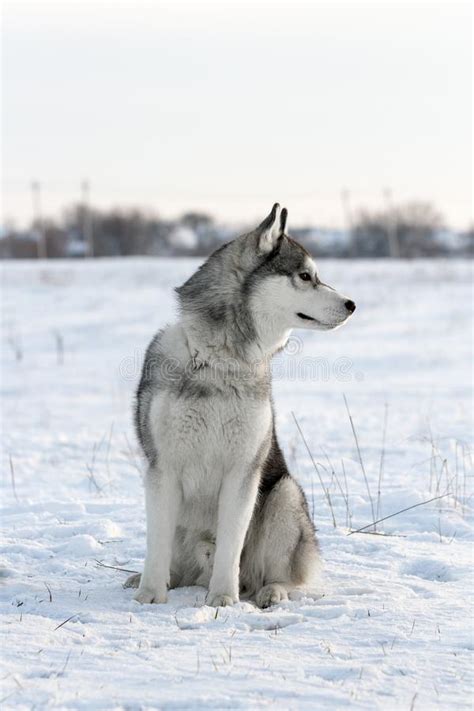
<point x="304" y="276"/>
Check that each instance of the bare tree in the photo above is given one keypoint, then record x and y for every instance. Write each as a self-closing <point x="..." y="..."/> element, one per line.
<point x="417" y="227"/>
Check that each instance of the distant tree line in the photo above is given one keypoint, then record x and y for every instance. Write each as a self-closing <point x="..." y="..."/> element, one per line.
<point x="413" y="230"/>
<point x="408" y="231"/>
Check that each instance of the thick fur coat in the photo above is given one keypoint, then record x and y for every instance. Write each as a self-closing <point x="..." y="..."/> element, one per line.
<point x="222" y="509"/>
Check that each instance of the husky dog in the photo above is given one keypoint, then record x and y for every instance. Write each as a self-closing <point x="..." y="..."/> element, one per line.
<point x="222" y="509"/>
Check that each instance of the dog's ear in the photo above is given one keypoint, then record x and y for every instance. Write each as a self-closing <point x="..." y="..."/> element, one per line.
<point x="271" y="229"/>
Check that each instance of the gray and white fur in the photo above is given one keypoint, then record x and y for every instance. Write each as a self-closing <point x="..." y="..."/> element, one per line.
<point x="222" y="509"/>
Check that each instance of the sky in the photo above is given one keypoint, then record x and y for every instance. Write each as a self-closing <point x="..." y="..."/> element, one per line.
<point x="228" y="107"/>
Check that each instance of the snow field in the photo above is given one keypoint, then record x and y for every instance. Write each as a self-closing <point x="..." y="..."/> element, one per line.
<point x="389" y="624"/>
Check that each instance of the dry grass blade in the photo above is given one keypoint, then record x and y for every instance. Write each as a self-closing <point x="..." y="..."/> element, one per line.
<point x="348" y="510"/>
<point x="107" y="456"/>
<point x="113" y="567"/>
<point x="12" y="474"/>
<point x="408" y="508"/>
<point x="63" y="670"/>
<point x="131" y="456"/>
<point x="336" y="479"/>
<point x="382" y="460"/>
<point x="49" y="591"/>
<point x="65" y="621"/>
<point x="361" y="461"/>
<point x="324" y="488"/>
<point x="380" y="533"/>
<point x="92" y="478"/>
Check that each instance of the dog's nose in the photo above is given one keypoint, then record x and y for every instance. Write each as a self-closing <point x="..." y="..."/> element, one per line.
<point x="350" y="306"/>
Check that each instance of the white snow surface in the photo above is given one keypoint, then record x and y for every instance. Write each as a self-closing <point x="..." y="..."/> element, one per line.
<point x="389" y="624"/>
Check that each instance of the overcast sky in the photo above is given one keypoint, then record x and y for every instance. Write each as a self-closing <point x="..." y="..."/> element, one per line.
<point x="230" y="106"/>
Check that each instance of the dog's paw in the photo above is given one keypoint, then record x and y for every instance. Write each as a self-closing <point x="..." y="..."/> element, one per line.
<point x="220" y="600"/>
<point x="133" y="581"/>
<point x="271" y="594"/>
<point x="145" y="596"/>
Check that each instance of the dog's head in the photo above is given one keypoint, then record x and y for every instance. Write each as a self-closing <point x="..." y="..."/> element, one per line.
<point x="284" y="287"/>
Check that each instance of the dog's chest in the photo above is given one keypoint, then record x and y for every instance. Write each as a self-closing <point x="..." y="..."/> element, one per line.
<point x="203" y="438"/>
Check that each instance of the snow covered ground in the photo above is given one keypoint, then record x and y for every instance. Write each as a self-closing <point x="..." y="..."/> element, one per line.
<point x="391" y="624"/>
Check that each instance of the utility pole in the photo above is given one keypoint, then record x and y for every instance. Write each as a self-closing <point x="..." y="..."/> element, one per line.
<point x="346" y="209"/>
<point x="393" y="243"/>
<point x="87" y="227"/>
<point x="38" y="220"/>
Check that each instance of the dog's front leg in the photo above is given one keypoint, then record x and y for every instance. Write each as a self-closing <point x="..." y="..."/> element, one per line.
<point x="162" y="502"/>
<point x="236" y="503"/>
